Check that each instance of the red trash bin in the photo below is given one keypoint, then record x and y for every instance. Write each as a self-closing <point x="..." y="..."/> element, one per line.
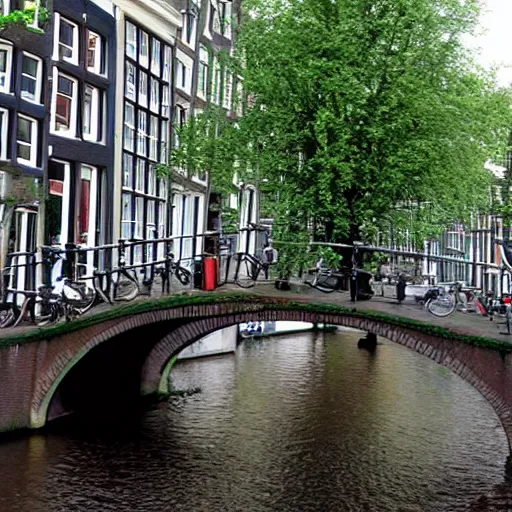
<point x="210" y="273"/>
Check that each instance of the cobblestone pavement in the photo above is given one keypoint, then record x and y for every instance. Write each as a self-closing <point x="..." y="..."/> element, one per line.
<point x="469" y="324"/>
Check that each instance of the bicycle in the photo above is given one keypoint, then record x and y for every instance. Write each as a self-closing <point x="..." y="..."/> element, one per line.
<point x="442" y="304"/>
<point x="126" y="288"/>
<point x="249" y="266"/>
<point x="67" y="298"/>
<point x="170" y="268"/>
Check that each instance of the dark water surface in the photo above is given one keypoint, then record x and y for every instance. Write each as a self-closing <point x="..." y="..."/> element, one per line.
<point x="298" y="423"/>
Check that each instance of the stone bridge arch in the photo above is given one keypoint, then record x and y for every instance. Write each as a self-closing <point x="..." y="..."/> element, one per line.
<point x="488" y="370"/>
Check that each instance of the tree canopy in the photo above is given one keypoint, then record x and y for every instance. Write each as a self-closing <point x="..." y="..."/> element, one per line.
<point x="357" y="106"/>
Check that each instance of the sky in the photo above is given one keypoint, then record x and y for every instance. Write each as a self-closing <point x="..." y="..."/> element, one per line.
<point x="496" y="41"/>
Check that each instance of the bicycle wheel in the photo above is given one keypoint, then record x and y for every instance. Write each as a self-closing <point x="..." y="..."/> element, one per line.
<point x="325" y="282"/>
<point x="9" y="314"/>
<point x="443" y="305"/>
<point x="183" y="275"/>
<point x="79" y="296"/>
<point x="48" y="315"/>
<point x="246" y="272"/>
<point x="126" y="288"/>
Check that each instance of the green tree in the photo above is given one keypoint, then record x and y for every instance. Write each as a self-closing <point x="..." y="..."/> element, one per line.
<point x="358" y="105"/>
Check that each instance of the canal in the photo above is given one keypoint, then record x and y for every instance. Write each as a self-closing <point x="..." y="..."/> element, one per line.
<point x="304" y="422"/>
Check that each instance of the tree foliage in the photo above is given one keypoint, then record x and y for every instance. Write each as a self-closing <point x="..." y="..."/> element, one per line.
<point x="359" y="105"/>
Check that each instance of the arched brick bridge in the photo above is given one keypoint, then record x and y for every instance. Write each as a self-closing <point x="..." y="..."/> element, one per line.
<point x="105" y="358"/>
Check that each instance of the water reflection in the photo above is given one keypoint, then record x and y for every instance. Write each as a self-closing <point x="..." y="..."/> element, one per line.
<point x="294" y="423"/>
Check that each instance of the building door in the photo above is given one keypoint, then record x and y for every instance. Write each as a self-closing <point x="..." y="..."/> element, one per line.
<point x="23" y="239"/>
<point x="86" y="200"/>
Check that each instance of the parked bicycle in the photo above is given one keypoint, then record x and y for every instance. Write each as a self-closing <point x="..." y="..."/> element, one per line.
<point x="119" y="284"/>
<point x="67" y="298"/>
<point x="249" y="266"/>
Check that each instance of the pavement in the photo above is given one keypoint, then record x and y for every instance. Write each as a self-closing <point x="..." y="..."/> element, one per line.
<point x="461" y="323"/>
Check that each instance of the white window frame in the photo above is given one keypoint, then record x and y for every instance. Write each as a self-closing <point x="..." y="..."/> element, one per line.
<point x="38" y="78"/>
<point x="95" y="120"/>
<point x="151" y="180"/>
<point x="156" y="67"/>
<point x="154" y="100"/>
<point x="130" y="87"/>
<point x="143" y="58"/>
<point x="167" y="69"/>
<point x="166" y="101"/>
<point x="74" y="100"/>
<point x="133" y="43"/>
<point x="4" y="113"/>
<point x="164" y="141"/>
<point x="143" y="92"/>
<point x="140" y="174"/>
<point x="139" y="217"/>
<point x="8" y="66"/>
<point x="56" y="45"/>
<point x="128" y="173"/>
<point x="228" y="89"/>
<point x="188" y="38"/>
<point x="129" y="221"/>
<point x="129" y="126"/>
<point x="142" y="133"/>
<point x="98" y="53"/>
<point x="202" y="73"/>
<point x="32" y="162"/>
<point x="227" y="21"/>
<point x="153" y="138"/>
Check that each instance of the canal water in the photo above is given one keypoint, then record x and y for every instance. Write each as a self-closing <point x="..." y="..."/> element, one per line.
<point x="305" y="422"/>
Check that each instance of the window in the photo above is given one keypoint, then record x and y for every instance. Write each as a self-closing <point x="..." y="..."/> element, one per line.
<point x="239" y="97"/>
<point x="129" y="90"/>
<point x="153" y="138"/>
<point x="127" y="170"/>
<point x="181" y="72"/>
<point x="161" y="219"/>
<point x="139" y="175"/>
<point x="150" y="221"/>
<point x="94" y="53"/>
<point x="126" y="219"/>
<point x="151" y="180"/>
<point x="139" y="217"/>
<point x="92" y="114"/>
<point x="167" y="64"/>
<point x="155" y="95"/>
<point x="203" y="70"/>
<point x="4" y="130"/>
<point x="129" y="127"/>
<point x="155" y="57"/>
<point x="165" y="101"/>
<point x="188" y="28"/>
<point x="64" y="106"/>
<point x="164" y="141"/>
<point x="144" y="49"/>
<point x="5" y="67"/>
<point x="215" y="93"/>
<point x="162" y="190"/>
<point x="227" y="21"/>
<point x="31" y="78"/>
<point x="143" y="89"/>
<point x="27" y="141"/>
<point x="131" y="40"/>
<point x="228" y="86"/>
<point x="66" y="40"/>
<point x="142" y="134"/>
